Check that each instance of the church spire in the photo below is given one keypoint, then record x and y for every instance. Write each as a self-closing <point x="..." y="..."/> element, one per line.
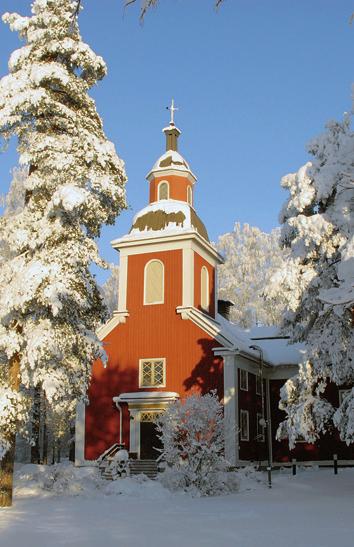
<point x="172" y="132"/>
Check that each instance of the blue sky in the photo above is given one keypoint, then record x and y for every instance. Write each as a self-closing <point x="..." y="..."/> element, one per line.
<point x="254" y="82"/>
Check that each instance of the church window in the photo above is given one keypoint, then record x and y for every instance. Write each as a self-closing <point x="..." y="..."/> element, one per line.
<point x="244" y="425"/>
<point x="154" y="282"/>
<point x="163" y="190"/>
<point x="244" y="380"/>
<point x="204" y="288"/>
<point x="189" y="195"/>
<point x="152" y="373"/>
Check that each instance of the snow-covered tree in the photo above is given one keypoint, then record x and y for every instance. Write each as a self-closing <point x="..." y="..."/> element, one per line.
<point x="109" y="290"/>
<point x="49" y="301"/>
<point x="251" y="258"/>
<point x="318" y="280"/>
<point x="192" y="436"/>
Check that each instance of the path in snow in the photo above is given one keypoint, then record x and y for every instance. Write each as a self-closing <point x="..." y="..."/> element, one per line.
<point x="313" y="509"/>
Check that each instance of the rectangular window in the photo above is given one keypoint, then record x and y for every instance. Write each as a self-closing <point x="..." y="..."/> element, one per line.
<point x="243" y="380"/>
<point x="244" y="425"/>
<point x="260" y="428"/>
<point x="258" y="385"/>
<point x="152" y="373"/>
<point x="342" y="394"/>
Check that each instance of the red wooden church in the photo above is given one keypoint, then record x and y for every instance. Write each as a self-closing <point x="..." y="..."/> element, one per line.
<point x="171" y="337"/>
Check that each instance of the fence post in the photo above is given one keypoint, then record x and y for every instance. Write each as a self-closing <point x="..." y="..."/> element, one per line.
<point x="294" y="466"/>
<point x="335" y="463"/>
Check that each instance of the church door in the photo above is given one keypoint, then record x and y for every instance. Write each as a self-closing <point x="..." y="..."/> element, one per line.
<point x="149" y="441"/>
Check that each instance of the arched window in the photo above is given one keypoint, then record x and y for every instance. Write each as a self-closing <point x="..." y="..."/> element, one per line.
<point x="204" y="289"/>
<point x="163" y="190"/>
<point x="189" y="195"/>
<point x="154" y="282"/>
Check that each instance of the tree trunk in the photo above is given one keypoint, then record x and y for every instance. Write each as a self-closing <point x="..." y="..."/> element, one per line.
<point x="7" y="463"/>
<point x="36" y="426"/>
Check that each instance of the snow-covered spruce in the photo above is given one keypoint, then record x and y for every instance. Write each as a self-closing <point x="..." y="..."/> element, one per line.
<point x="251" y="258"/>
<point x="50" y="304"/>
<point x="192" y="436"/>
<point x="318" y="280"/>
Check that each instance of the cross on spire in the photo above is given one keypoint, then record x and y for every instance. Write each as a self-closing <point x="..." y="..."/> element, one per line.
<point x="172" y="109"/>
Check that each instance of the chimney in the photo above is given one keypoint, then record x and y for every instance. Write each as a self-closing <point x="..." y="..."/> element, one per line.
<point x="224" y="307"/>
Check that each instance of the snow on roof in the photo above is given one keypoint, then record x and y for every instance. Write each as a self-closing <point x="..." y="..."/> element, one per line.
<point x="276" y="349"/>
<point x="171" y="160"/>
<point x="166" y="217"/>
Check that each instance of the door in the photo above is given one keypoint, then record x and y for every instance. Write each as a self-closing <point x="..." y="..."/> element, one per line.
<point x="149" y="441"/>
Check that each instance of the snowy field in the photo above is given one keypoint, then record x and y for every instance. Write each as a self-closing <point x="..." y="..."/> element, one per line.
<point x="313" y="509"/>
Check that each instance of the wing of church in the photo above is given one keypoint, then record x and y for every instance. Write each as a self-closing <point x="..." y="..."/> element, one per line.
<point x="170" y="337"/>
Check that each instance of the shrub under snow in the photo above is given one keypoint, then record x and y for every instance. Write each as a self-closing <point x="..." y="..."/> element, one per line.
<point x="192" y="435"/>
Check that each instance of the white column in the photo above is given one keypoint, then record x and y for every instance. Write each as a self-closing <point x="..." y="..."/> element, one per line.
<point x="80" y="435"/>
<point x="123" y="279"/>
<point x="188" y="277"/>
<point x="134" y="432"/>
<point x="231" y="410"/>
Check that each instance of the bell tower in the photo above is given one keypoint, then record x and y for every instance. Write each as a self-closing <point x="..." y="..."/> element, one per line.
<point x="168" y="231"/>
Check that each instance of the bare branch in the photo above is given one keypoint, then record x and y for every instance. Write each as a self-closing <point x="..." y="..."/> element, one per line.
<point x="147" y="4"/>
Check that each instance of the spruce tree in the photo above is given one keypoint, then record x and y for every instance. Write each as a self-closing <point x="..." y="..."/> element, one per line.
<point x="49" y="301"/>
<point x="318" y="279"/>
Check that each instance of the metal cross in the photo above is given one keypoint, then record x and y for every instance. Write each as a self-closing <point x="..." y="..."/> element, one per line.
<point x="172" y="109"/>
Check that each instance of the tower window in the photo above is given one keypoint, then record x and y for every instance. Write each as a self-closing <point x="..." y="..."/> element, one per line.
<point x="204" y="288"/>
<point x="154" y="282"/>
<point x="163" y="190"/>
<point x="189" y="195"/>
<point x="152" y="372"/>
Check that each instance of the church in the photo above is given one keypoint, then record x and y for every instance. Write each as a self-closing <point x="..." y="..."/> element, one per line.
<point x="170" y="337"/>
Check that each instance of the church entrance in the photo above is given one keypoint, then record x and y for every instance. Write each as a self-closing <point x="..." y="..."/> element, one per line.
<point x="149" y="440"/>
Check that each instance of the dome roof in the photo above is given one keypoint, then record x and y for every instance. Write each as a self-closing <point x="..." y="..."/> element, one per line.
<point x="171" y="160"/>
<point x="166" y="217"/>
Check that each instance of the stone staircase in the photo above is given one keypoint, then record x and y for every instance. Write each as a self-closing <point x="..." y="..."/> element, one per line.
<point x="147" y="467"/>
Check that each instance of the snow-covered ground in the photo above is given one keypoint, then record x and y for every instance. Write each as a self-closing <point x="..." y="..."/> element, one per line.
<point x="75" y="508"/>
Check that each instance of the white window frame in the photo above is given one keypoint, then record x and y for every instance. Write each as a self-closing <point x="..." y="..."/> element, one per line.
<point x="260" y="429"/>
<point x="342" y="393"/>
<point x="158" y="190"/>
<point x="189" y="195"/>
<point x="153" y="360"/>
<point x="258" y="384"/>
<point x="243" y="371"/>
<point x="163" y="283"/>
<point x="247" y="436"/>
<point x="207" y="288"/>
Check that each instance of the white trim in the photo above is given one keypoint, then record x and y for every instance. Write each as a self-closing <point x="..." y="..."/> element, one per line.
<point x="158" y="190"/>
<point x="189" y="195"/>
<point x="151" y="244"/>
<point x="162" y="172"/>
<point x="163" y="283"/>
<point x="245" y="413"/>
<point x="103" y="331"/>
<point x="188" y="277"/>
<point x="230" y="404"/>
<point x="205" y="297"/>
<point x="152" y="360"/>
<point x="242" y="370"/>
<point x="80" y="460"/>
<point x="123" y="283"/>
<point x="206" y="323"/>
